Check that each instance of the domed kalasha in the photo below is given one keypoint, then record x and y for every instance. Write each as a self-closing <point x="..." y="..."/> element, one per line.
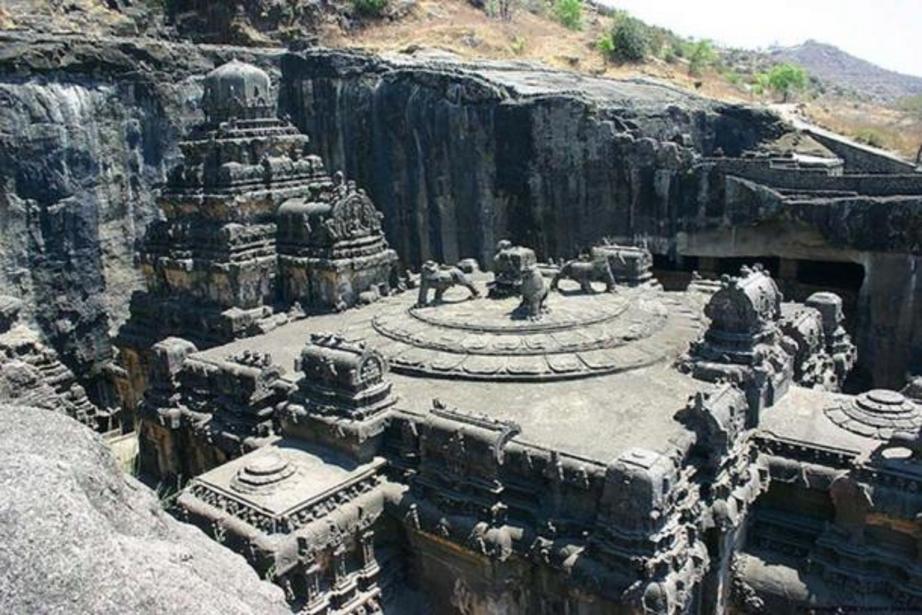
<point x="237" y="90"/>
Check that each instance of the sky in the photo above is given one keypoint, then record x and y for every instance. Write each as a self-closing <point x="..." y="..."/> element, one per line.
<point x="886" y="32"/>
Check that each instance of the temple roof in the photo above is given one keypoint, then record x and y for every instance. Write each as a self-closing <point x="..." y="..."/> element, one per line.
<point x="237" y="90"/>
<point x="598" y="413"/>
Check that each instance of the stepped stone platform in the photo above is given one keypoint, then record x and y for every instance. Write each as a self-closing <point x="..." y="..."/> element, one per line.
<point x="582" y="335"/>
<point x="471" y="353"/>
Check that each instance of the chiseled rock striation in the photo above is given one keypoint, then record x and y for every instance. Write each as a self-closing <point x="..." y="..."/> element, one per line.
<point x="88" y="131"/>
<point x="460" y="154"/>
<point x="80" y="537"/>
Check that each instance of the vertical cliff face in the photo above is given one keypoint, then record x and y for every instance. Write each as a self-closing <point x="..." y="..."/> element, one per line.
<point x="81" y="160"/>
<point x="459" y="156"/>
<point x="87" y="134"/>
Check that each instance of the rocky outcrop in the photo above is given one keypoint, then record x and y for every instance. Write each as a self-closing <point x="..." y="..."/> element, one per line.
<point x="460" y="155"/>
<point x="81" y="538"/>
<point x="88" y="131"/>
<point x="854" y="75"/>
<point x="262" y="22"/>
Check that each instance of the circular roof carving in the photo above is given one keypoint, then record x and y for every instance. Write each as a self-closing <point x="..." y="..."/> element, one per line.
<point x="262" y="473"/>
<point x="582" y="335"/>
<point x="878" y="413"/>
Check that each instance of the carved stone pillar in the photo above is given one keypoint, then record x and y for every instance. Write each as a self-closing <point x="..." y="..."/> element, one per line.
<point x="340" y="576"/>
<point x="344" y="584"/>
<point x="370" y="566"/>
<point x="316" y="601"/>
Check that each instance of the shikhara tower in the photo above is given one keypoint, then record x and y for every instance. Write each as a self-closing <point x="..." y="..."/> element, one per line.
<point x="253" y="227"/>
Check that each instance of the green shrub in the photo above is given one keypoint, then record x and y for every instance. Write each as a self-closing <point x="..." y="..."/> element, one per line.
<point x="657" y="41"/>
<point x="569" y="13"/>
<point x="786" y="79"/>
<point x="369" y="8"/>
<point x="760" y="84"/>
<point x="605" y="45"/>
<point x="630" y="40"/>
<point x="872" y="137"/>
<point x="701" y="55"/>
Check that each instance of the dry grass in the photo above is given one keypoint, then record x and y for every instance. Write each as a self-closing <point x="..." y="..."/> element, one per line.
<point x="89" y="17"/>
<point x="458" y="27"/>
<point x="883" y="127"/>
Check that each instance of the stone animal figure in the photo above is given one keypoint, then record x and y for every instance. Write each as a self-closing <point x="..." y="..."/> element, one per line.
<point x="585" y="271"/>
<point x="534" y="292"/>
<point x="433" y="276"/>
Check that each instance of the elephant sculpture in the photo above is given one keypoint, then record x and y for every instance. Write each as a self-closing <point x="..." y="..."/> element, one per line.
<point x="586" y="270"/>
<point x="438" y="278"/>
<point x="534" y="293"/>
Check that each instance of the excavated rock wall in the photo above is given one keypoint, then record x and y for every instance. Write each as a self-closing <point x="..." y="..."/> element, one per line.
<point x="456" y="155"/>
<point x="459" y="156"/>
<point x="88" y="131"/>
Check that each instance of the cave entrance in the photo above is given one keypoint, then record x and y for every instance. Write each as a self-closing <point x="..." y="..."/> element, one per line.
<point x="674" y="273"/>
<point x="797" y="278"/>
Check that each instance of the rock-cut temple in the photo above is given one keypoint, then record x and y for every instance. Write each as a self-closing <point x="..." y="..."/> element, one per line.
<point x="583" y="441"/>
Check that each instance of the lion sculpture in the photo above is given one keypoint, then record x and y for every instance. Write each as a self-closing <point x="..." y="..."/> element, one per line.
<point x="585" y="271"/>
<point x="441" y="278"/>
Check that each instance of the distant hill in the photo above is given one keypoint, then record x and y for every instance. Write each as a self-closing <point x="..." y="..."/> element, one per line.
<point x="857" y="76"/>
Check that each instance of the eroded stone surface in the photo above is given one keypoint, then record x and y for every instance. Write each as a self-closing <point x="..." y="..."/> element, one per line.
<point x="80" y="537"/>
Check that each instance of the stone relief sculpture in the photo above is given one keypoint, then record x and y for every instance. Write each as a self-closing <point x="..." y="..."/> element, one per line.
<point x="508" y="264"/>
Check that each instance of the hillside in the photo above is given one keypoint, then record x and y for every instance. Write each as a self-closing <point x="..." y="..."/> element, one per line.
<point x="844" y="94"/>
<point x="534" y="33"/>
<point x="852" y="75"/>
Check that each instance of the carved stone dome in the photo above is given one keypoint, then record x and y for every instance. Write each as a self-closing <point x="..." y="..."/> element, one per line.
<point x="262" y="473"/>
<point x="829" y="306"/>
<point x="745" y="304"/>
<point x="877" y="414"/>
<point x="237" y="90"/>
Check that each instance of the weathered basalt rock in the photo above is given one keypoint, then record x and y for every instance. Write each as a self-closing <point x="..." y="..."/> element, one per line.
<point x="80" y="537"/>
<point x="31" y="374"/>
<point x="459" y="155"/>
<point x="88" y="131"/>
